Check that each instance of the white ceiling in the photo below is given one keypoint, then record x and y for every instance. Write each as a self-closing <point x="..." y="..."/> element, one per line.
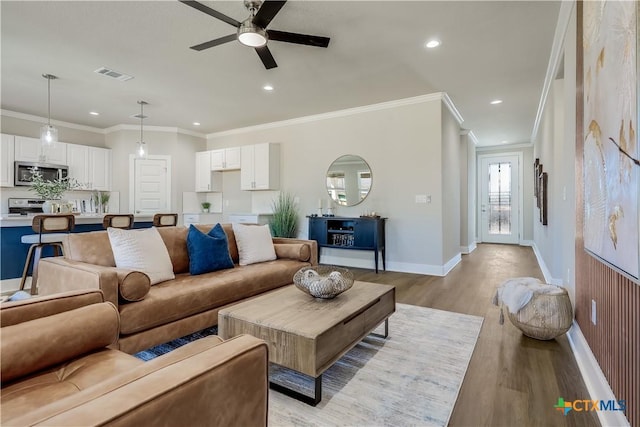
<point x="489" y="50"/>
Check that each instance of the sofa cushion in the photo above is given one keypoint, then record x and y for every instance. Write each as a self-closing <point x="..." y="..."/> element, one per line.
<point x="67" y="379"/>
<point x="297" y="251"/>
<point x="133" y="285"/>
<point x="188" y="295"/>
<point x="175" y="240"/>
<point x="142" y="250"/>
<point x="208" y="252"/>
<point x="28" y="346"/>
<point x="254" y="243"/>
<point x="91" y="247"/>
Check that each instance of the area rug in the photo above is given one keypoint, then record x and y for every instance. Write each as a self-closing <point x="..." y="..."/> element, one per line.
<point x="410" y="378"/>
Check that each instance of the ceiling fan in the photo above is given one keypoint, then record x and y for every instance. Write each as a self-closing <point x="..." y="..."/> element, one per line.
<point x="253" y="31"/>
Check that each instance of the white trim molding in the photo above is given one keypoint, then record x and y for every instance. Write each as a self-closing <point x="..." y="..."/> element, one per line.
<point x="466" y="250"/>
<point x="557" y="52"/>
<point x="543" y="266"/>
<point x="43" y="120"/>
<point x="593" y="377"/>
<point x="105" y="131"/>
<point x="402" y="267"/>
<point x="438" y="96"/>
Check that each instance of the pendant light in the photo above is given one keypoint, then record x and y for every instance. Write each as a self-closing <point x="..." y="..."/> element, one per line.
<point x="141" y="149"/>
<point x="48" y="133"/>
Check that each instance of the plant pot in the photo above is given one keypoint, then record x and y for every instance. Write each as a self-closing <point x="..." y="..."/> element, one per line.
<point x="47" y="207"/>
<point x="205" y="210"/>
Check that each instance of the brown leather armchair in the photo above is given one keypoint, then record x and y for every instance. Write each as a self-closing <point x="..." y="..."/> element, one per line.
<point x="57" y="369"/>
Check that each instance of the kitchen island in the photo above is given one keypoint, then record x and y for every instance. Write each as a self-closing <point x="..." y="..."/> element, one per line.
<point x="14" y="252"/>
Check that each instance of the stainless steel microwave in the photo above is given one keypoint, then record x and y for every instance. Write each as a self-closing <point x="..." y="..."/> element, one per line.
<point x="50" y="172"/>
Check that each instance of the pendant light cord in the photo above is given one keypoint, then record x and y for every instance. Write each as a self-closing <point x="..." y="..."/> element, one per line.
<point x="141" y="119"/>
<point x="48" y="100"/>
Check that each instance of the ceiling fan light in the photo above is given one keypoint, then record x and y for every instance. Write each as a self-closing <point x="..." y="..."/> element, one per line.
<point x="251" y="35"/>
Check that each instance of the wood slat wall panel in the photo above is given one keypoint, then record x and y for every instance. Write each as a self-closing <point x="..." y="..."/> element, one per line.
<point x="615" y="339"/>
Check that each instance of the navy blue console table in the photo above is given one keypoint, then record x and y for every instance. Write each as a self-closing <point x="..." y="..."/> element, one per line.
<point x="363" y="233"/>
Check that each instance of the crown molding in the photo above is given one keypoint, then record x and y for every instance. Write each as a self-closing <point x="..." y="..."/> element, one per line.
<point x="449" y="103"/>
<point x="169" y="129"/>
<point x="105" y="131"/>
<point x="346" y="112"/>
<point x="557" y="53"/>
<point x="32" y="118"/>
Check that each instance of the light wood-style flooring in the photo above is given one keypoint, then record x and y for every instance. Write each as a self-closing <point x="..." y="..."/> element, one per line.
<point x="512" y="380"/>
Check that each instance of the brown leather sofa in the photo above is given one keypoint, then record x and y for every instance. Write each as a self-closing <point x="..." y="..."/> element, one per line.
<point x="171" y="309"/>
<point x="58" y="369"/>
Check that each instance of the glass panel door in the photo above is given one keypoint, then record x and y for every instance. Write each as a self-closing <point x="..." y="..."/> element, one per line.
<point x="499" y="217"/>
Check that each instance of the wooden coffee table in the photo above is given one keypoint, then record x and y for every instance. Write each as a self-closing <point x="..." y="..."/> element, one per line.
<point x="308" y="334"/>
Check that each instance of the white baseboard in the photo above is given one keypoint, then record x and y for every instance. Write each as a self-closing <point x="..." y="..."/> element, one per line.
<point x="466" y="250"/>
<point x="403" y="267"/>
<point x="548" y="278"/>
<point x="594" y="378"/>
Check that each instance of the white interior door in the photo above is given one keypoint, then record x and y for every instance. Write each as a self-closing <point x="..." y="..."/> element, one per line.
<point x="500" y="212"/>
<point x="150" y="190"/>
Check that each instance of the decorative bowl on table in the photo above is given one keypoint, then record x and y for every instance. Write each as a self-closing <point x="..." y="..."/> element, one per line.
<point x="323" y="281"/>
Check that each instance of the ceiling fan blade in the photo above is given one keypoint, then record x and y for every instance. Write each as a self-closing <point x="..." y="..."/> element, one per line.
<point x="216" y="42"/>
<point x="211" y="12"/>
<point x="283" y="36"/>
<point x="267" y="59"/>
<point x="267" y="11"/>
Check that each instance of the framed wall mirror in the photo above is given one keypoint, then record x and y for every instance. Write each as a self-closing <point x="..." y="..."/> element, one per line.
<point x="349" y="180"/>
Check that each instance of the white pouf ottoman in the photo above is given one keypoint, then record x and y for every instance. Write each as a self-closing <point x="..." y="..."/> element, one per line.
<point x="539" y="310"/>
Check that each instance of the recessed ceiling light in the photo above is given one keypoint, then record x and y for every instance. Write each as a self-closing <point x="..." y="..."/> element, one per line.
<point x="432" y="43"/>
<point x="94" y="113"/>
<point x="196" y="123"/>
<point x="504" y="142"/>
<point x="268" y="88"/>
<point x="496" y="102"/>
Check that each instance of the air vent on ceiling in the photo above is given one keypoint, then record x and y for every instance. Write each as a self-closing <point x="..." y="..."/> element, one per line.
<point x="139" y="116"/>
<point x="113" y="74"/>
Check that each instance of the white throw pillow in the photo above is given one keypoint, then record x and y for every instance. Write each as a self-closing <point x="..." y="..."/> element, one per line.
<point x="142" y="250"/>
<point x="254" y="243"/>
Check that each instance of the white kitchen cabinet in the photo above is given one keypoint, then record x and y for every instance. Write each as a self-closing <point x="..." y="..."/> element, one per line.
<point x="260" y="167"/>
<point x="28" y="149"/>
<point x="100" y="168"/>
<point x="55" y="154"/>
<point x="206" y="180"/>
<point x="250" y="218"/>
<point x="225" y="159"/>
<point x="78" y="162"/>
<point x="31" y="150"/>
<point x="90" y="166"/>
<point x="6" y="160"/>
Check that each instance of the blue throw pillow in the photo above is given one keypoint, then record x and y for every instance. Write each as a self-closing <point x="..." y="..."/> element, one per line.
<point x="208" y="252"/>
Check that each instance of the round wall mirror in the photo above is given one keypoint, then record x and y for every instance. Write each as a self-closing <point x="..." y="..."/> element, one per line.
<point x="349" y="180"/>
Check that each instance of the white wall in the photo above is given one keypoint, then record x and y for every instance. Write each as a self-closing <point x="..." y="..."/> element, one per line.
<point x="180" y="147"/>
<point x="404" y="147"/>
<point x="451" y="159"/>
<point x="467" y="194"/>
<point x="555" y="146"/>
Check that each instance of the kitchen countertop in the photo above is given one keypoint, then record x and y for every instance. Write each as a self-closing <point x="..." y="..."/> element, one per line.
<point x="7" y="220"/>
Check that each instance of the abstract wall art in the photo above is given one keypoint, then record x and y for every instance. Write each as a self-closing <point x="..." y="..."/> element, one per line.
<point x="611" y="144"/>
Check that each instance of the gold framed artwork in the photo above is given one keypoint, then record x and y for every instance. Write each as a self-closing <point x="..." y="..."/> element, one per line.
<point x="611" y="144"/>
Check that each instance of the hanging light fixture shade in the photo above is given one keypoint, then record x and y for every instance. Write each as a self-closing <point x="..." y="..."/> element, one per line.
<point x="48" y="133"/>
<point x="141" y="146"/>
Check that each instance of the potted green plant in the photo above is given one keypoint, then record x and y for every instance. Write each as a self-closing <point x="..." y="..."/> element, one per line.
<point x="50" y="190"/>
<point x="205" y="206"/>
<point x="101" y="201"/>
<point x="284" y="222"/>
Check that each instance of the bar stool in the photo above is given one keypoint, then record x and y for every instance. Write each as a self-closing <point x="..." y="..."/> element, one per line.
<point x="165" y="219"/>
<point x="124" y="221"/>
<point x="51" y="229"/>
